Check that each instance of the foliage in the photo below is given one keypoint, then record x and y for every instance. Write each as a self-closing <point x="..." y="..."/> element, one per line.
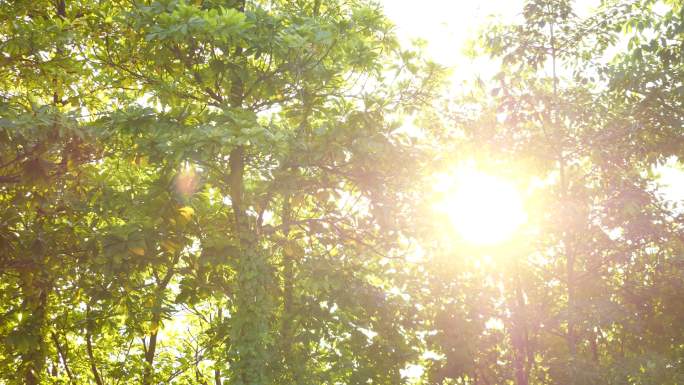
<point x="587" y="296"/>
<point x="202" y="191"/>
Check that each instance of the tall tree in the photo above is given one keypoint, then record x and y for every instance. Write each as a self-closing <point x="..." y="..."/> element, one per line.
<point x="209" y="194"/>
<point x="561" y="110"/>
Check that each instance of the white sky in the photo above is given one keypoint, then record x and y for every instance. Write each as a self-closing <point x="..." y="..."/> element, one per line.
<point x="448" y="25"/>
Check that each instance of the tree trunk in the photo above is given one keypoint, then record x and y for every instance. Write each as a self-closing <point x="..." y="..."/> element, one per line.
<point x="249" y="349"/>
<point x="155" y="322"/>
<point x="62" y="355"/>
<point x="89" y="348"/>
<point x="291" y="369"/>
<point x="33" y="359"/>
<point x="564" y="196"/>
<point x="519" y="334"/>
<point x="151" y="350"/>
<point x="251" y="318"/>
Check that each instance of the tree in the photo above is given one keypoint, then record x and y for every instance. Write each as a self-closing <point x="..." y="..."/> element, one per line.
<point x="220" y="192"/>
<point x="228" y="166"/>
<point x="576" y="308"/>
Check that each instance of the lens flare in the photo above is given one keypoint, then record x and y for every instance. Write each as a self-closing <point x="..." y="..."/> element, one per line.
<point x="483" y="209"/>
<point x="187" y="181"/>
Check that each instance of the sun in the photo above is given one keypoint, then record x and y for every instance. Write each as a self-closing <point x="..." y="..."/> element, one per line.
<point x="482" y="208"/>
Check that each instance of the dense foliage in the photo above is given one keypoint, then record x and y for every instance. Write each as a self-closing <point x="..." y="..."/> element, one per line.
<point x="221" y="192"/>
<point x="590" y="291"/>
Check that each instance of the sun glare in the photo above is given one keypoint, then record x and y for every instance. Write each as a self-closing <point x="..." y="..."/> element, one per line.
<point x="482" y="208"/>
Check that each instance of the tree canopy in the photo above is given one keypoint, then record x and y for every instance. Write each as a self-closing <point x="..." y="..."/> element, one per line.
<point x="226" y="192"/>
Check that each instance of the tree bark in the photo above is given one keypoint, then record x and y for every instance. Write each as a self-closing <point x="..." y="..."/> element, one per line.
<point x="62" y="354"/>
<point x="519" y="335"/>
<point x="89" y="348"/>
<point x="564" y="196"/>
<point x="291" y="368"/>
<point x="251" y="319"/>
<point x="151" y="350"/>
<point x="35" y="303"/>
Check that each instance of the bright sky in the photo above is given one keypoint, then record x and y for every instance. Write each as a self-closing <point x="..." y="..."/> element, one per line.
<point x="445" y="24"/>
<point x="448" y="25"/>
<point x="482" y="208"/>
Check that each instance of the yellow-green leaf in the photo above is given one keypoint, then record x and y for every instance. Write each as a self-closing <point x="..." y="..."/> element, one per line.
<point x="137" y="251"/>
